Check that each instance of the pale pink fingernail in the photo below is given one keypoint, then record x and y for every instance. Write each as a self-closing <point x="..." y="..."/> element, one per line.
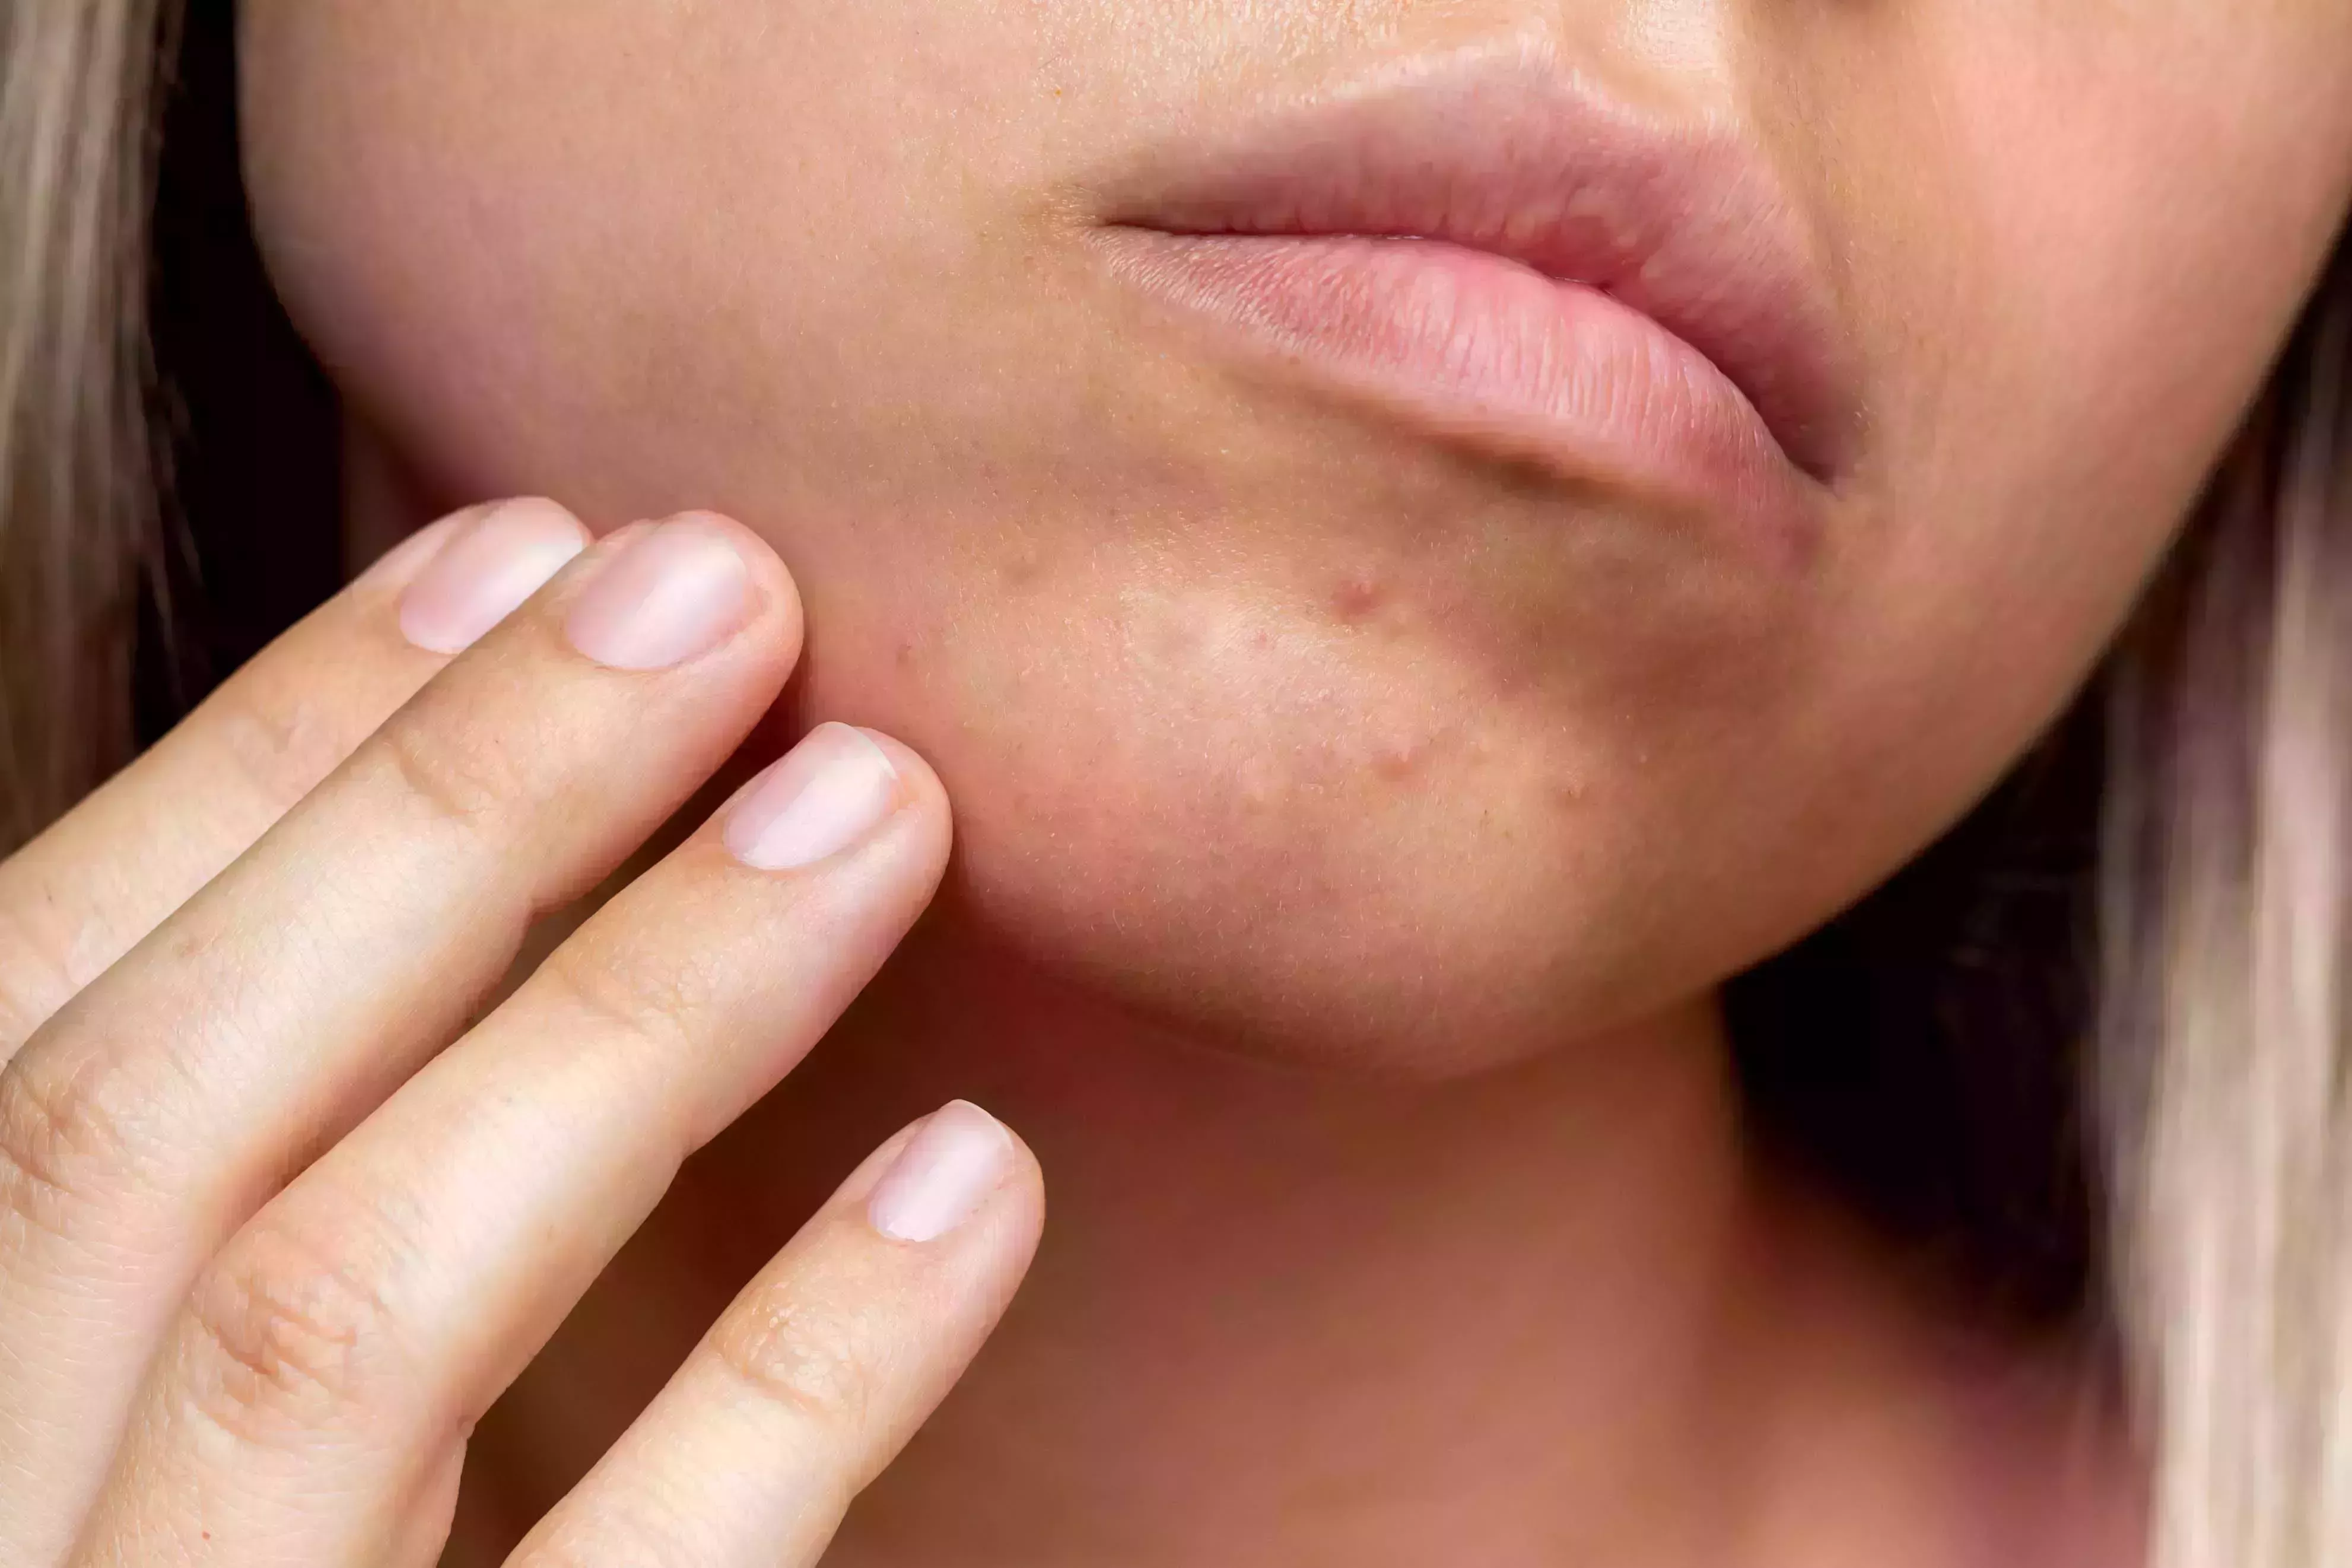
<point x="484" y="574"/>
<point x="956" y="1158"/>
<point x="677" y="590"/>
<point x="407" y="557"/>
<point x="833" y="788"/>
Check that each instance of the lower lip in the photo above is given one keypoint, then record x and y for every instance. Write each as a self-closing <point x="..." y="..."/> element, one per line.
<point x="1483" y="349"/>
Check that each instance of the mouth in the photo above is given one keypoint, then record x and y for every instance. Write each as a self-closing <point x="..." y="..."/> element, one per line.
<point x="1492" y="247"/>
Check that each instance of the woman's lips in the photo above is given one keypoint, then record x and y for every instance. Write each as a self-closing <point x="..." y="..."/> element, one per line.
<point x="1492" y="247"/>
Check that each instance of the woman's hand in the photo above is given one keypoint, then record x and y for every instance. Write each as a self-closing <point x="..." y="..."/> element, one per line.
<point x="267" y="1250"/>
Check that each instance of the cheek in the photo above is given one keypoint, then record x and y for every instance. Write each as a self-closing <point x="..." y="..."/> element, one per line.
<point x="2141" y="222"/>
<point x="2075" y="237"/>
<point x="512" y="230"/>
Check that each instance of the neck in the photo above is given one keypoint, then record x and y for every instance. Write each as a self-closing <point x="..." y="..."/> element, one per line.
<point x="1474" y="1321"/>
<point x="1544" y="1316"/>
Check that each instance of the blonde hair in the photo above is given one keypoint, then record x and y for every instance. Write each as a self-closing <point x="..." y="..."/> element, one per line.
<point x="2223" y="1017"/>
<point x="76" y="485"/>
<point x="2223" y="1026"/>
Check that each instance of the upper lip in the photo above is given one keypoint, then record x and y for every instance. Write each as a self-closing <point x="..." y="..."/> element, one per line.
<point x="1681" y="220"/>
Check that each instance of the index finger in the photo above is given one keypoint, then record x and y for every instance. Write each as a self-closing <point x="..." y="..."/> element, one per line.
<point x="84" y="893"/>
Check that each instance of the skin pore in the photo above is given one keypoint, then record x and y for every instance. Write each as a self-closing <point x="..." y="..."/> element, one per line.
<point x="1353" y="822"/>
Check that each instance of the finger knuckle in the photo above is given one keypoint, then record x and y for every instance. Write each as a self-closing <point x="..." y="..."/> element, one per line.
<point x="279" y="742"/>
<point x="462" y="776"/>
<point x="291" y="1333"/>
<point x="804" y="1358"/>
<point x="39" y="968"/>
<point x="639" y="993"/>
<point x="69" y="1140"/>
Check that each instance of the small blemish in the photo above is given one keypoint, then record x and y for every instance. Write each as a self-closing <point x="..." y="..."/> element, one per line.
<point x="1023" y="569"/>
<point x="1396" y="760"/>
<point x="1356" y="598"/>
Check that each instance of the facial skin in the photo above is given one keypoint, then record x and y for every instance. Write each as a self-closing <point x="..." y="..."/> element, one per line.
<point x="1272" y="713"/>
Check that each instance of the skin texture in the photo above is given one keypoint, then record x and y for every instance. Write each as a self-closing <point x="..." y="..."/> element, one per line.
<point x="1276" y="726"/>
<point x="1277" y="717"/>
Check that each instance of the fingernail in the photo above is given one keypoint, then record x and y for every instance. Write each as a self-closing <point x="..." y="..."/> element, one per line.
<point x="677" y="590"/>
<point x="830" y="791"/>
<point x="484" y="574"/>
<point x="949" y="1167"/>
<point x="406" y="561"/>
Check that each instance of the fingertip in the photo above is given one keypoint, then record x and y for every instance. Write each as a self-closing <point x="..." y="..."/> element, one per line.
<point x="1022" y="1195"/>
<point x="486" y="571"/>
<point x="925" y="808"/>
<point x="547" y="513"/>
<point x="1012" y="1215"/>
<point x="1021" y="1161"/>
<point x="771" y="580"/>
<point x="962" y="1184"/>
<point x="916" y="778"/>
<point x="835" y="792"/>
<point x="396" y="569"/>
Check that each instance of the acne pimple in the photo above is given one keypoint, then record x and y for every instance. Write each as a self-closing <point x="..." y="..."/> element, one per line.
<point x="1357" y="597"/>
<point x="1396" y="760"/>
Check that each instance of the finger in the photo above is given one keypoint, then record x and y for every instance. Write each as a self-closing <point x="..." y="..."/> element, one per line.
<point x="80" y="894"/>
<point x="77" y="897"/>
<point x="373" y="1309"/>
<point x="417" y="1539"/>
<point x="822" y="1369"/>
<point x="158" y="1110"/>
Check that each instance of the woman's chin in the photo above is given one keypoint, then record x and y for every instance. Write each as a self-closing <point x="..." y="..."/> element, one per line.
<point x="1399" y="884"/>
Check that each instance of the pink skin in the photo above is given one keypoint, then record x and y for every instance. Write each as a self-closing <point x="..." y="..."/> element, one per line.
<point x="1291" y="728"/>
